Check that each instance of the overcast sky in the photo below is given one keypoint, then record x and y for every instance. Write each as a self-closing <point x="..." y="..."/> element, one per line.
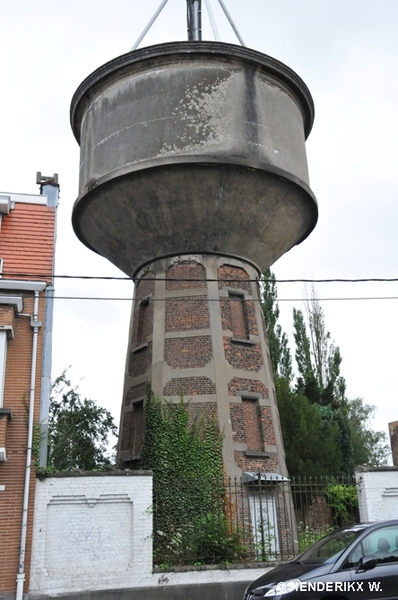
<point x="347" y="53"/>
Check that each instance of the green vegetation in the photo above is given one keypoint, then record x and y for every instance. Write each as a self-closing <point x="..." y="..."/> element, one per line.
<point x="184" y="451"/>
<point x="78" y="432"/>
<point x="309" y="535"/>
<point x="342" y="500"/>
<point x="324" y="432"/>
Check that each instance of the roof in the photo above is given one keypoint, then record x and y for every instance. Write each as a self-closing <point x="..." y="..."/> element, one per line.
<point x="27" y="241"/>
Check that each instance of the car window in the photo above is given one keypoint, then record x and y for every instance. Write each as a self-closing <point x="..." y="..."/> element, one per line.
<point x="354" y="557"/>
<point x="382" y="543"/>
<point x="328" y="549"/>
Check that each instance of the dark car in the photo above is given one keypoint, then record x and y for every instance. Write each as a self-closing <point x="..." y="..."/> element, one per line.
<point x="355" y="562"/>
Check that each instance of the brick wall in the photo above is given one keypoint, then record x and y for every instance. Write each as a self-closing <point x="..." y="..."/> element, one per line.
<point x="132" y="428"/>
<point x="12" y="472"/>
<point x="237" y="313"/>
<point x="190" y="386"/>
<point x="252" y="424"/>
<point x="252" y="386"/>
<point x="140" y="361"/>
<point x="243" y="357"/>
<point x="188" y="353"/>
<point x="250" y="413"/>
<point x="187" y="313"/>
<point x="192" y="276"/>
<point x="233" y="277"/>
<point x="135" y="392"/>
<point x="207" y="410"/>
<point x="266" y="425"/>
<point x="143" y="310"/>
<point x="7" y="316"/>
<point x="256" y="464"/>
<point x="232" y="314"/>
<point x="145" y="286"/>
<point x="393" y="431"/>
<point x="127" y="433"/>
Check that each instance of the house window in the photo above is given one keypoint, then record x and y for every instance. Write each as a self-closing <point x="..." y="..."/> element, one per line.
<point x="143" y="318"/>
<point x="237" y="309"/>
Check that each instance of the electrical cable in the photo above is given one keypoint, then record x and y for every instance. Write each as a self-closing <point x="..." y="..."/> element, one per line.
<point x="204" y="298"/>
<point x="125" y="278"/>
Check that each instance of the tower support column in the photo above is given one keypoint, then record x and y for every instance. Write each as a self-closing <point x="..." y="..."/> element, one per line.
<point x="197" y="329"/>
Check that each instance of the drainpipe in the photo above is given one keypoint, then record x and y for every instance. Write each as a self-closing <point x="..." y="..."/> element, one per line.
<point x="35" y="324"/>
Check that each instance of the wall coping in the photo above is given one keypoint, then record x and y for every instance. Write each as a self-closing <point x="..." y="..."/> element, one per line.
<point x="116" y="473"/>
<point x="360" y="469"/>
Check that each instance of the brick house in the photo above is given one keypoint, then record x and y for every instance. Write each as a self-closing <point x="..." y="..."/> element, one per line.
<point x="27" y="245"/>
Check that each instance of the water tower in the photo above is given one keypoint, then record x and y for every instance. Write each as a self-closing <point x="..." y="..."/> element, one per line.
<point x="193" y="181"/>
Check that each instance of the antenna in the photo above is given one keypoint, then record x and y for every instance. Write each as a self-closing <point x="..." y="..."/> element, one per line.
<point x="194" y="20"/>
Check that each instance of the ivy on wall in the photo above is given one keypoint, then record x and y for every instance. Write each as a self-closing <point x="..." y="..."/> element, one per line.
<point x="177" y="446"/>
<point x="189" y="512"/>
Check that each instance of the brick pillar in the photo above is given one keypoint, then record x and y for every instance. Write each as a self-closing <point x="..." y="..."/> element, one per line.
<point x="393" y="431"/>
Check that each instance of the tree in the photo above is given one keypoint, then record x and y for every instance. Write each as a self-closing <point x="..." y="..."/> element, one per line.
<point x="323" y="431"/>
<point x="79" y="430"/>
<point x="312" y="439"/>
<point x="318" y="361"/>
<point x="307" y="382"/>
<point x="370" y="448"/>
<point x="281" y="358"/>
<point x="311" y="443"/>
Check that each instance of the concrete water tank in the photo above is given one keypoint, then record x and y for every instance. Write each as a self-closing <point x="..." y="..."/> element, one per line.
<point x="193" y="147"/>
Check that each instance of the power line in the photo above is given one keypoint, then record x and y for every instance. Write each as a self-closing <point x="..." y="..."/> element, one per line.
<point x="203" y="298"/>
<point x="221" y="280"/>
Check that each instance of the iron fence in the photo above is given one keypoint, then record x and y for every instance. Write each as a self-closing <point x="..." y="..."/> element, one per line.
<point x="258" y="518"/>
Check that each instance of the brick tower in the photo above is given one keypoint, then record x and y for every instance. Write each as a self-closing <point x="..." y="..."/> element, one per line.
<point x="193" y="181"/>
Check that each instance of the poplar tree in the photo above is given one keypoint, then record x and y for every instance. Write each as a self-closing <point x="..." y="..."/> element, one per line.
<point x="324" y="432"/>
<point x="281" y="358"/>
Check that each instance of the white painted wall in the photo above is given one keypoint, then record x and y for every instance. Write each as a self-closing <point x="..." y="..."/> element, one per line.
<point x="91" y="532"/>
<point x="377" y="493"/>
